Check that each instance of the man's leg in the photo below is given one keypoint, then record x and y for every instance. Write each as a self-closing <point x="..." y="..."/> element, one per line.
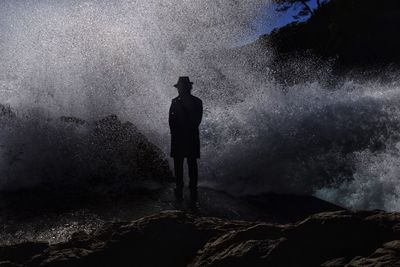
<point x="193" y="175"/>
<point x="178" y="169"/>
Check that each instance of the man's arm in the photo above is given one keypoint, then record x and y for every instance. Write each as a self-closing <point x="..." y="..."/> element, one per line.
<point x="200" y="113"/>
<point x="171" y="118"/>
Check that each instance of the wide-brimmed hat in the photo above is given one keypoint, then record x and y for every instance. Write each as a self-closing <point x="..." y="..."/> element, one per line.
<point x="183" y="80"/>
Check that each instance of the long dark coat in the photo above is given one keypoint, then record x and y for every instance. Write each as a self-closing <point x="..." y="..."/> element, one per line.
<point x="185" y="116"/>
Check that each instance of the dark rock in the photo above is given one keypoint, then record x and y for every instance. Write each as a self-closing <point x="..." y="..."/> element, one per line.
<point x="75" y="156"/>
<point x="176" y="238"/>
<point x="9" y="264"/>
<point x="21" y="252"/>
<point x="166" y="239"/>
<point x="333" y="238"/>
<point x="343" y="37"/>
<point x="68" y="163"/>
<point x="388" y="255"/>
<point x="356" y="33"/>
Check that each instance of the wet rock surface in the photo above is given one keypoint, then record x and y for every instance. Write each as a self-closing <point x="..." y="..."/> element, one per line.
<point x="71" y="156"/>
<point x="36" y="218"/>
<point x="179" y="238"/>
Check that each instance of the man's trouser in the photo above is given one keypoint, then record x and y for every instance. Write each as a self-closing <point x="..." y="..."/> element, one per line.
<point x="193" y="176"/>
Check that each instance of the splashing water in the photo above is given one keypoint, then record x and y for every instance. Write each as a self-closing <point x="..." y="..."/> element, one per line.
<point x="90" y="59"/>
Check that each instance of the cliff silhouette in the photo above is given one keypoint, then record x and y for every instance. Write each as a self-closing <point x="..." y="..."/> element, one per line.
<point x="349" y="34"/>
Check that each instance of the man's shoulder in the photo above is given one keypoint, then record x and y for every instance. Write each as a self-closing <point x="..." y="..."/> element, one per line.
<point x="195" y="98"/>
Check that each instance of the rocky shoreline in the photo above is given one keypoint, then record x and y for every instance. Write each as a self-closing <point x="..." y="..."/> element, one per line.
<point x="178" y="238"/>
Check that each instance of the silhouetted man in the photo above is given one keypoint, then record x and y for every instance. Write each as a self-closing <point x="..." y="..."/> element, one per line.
<point x="185" y="117"/>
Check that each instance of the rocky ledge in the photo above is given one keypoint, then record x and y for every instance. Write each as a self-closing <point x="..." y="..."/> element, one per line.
<point x="176" y="238"/>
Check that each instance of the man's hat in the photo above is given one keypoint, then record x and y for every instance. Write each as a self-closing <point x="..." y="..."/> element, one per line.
<point x="183" y="80"/>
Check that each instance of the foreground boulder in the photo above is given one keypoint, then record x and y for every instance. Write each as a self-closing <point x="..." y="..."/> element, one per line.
<point x="73" y="155"/>
<point x="175" y="238"/>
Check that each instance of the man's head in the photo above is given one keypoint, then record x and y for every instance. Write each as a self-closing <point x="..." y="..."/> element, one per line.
<point x="184" y="85"/>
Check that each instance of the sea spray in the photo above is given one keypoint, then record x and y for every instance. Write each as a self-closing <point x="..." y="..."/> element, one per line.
<point x="95" y="58"/>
